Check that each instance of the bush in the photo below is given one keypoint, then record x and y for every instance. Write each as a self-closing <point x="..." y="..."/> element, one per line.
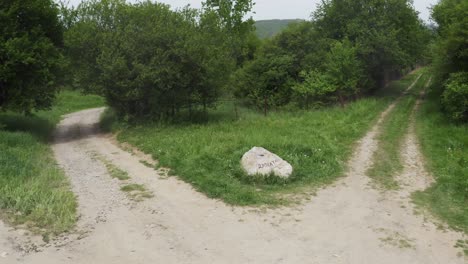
<point x="455" y="97"/>
<point x="30" y="41"/>
<point x="265" y="82"/>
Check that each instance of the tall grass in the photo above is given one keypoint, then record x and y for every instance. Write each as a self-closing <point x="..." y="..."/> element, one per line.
<point x="33" y="190"/>
<point x="445" y="147"/>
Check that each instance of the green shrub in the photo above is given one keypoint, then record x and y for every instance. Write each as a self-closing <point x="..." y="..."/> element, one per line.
<point x="455" y="97"/>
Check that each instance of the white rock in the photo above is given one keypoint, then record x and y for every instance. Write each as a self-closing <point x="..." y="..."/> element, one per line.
<point x="259" y="161"/>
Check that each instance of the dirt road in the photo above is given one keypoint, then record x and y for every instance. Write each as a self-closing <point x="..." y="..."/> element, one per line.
<point x="349" y="222"/>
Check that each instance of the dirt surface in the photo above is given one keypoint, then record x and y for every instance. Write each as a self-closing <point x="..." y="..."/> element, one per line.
<point x="349" y="222"/>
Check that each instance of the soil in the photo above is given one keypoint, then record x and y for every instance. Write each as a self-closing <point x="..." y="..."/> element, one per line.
<point x="348" y="222"/>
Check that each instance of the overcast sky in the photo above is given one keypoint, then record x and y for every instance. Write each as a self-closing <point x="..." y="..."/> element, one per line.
<point x="284" y="9"/>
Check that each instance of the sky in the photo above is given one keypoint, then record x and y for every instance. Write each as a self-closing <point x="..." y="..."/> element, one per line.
<point x="287" y="9"/>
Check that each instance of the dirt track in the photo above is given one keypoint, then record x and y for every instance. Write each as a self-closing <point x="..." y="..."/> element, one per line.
<point x="349" y="222"/>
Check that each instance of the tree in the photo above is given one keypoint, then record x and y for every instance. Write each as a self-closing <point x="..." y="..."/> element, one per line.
<point x="239" y="31"/>
<point x="266" y="81"/>
<point x="350" y="48"/>
<point x="344" y="68"/>
<point x="147" y="60"/>
<point x="337" y="80"/>
<point x="315" y="88"/>
<point x="388" y="33"/>
<point x="30" y="40"/>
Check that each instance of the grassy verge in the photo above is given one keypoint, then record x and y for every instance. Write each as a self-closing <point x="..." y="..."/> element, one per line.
<point x="445" y="147"/>
<point x="316" y="143"/>
<point x="34" y="191"/>
<point x="387" y="159"/>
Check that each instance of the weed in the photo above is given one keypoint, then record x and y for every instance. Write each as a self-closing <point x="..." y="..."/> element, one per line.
<point x="395" y="239"/>
<point x="137" y="192"/>
<point x="463" y="245"/>
<point x="114" y="171"/>
<point x="133" y="187"/>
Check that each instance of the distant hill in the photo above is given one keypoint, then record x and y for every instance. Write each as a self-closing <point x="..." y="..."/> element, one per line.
<point x="269" y="28"/>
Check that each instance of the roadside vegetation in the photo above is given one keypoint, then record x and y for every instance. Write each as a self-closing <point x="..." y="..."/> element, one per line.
<point x="442" y="120"/>
<point x="316" y="143"/>
<point x="34" y="191"/>
<point x="445" y="147"/>
<point x="387" y="159"/>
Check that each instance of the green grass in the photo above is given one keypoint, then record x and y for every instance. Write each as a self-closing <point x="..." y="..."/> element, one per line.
<point x="316" y="143"/>
<point x="137" y="192"/>
<point x="34" y="191"/>
<point x="115" y="172"/>
<point x="445" y="147"/>
<point x="133" y="187"/>
<point x="387" y="159"/>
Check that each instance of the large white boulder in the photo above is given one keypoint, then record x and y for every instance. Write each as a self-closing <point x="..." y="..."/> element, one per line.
<point x="259" y="161"/>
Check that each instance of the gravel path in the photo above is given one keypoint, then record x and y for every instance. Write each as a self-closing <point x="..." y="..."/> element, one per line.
<point x="349" y="222"/>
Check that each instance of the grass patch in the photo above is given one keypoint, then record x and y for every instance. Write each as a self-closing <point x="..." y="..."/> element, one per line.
<point x="387" y="159"/>
<point x="463" y="245"/>
<point x="133" y="187"/>
<point x="115" y="172"/>
<point x="34" y="191"/>
<point x="445" y="147"/>
<point x="207" y="155"/>
<point x="137" y="192"/>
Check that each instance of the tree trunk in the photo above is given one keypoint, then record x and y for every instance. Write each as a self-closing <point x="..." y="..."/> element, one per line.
<point x="342" y="101"/>
<point x="235" y="109"/>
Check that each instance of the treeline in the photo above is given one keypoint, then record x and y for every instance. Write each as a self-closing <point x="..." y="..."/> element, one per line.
<point x="450" y="62"/>
<point x="152" y="62"/>
<point x="349" y="49"/>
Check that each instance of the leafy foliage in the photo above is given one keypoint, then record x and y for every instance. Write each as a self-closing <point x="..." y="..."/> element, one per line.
<point x="451" y="56"/>
<point x="388" y="33"/>
<point x="349" y="48"/>
<point x="238" y="30"/>
<point x="455" y="96"/>
<point x="338" y="79"/>
<point x="30" y="41"/>
<point x="269" y="28"/>
<point x="265" y="81"/>
<point x="152" y="62"/>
